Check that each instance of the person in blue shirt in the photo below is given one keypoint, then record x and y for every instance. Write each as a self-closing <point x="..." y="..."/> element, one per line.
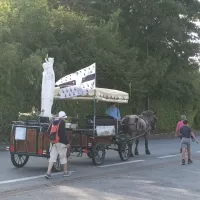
<point x="186" y="133"/>
<point x="113" y="111"/>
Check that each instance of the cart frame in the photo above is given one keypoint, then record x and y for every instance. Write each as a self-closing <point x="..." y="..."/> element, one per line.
<point x="82" y="141"/>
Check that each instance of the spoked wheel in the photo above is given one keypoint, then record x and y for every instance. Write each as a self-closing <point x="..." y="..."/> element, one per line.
<point x="98" y="154"/>
<point x="124" y="150"/>
<point x="69" y="150"/>
<point x="19" y="160"/>
<point x="89" y="154"/>
<point x="57" y="167"/>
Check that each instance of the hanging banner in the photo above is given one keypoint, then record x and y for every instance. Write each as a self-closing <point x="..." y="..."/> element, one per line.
<point x="78" y="83"/>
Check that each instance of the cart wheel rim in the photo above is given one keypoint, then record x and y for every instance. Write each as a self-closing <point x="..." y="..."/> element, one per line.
<point x="19" y="159"/>
<point x="99" y="157"/>
<point x="99" y="154"/>
<point x="125" y="151"/>
<point x="58" y="165"/>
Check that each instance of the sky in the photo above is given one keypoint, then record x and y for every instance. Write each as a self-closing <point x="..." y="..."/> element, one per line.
<point x="197" y="58"/>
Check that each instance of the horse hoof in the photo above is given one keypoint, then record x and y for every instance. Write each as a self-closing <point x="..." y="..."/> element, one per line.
<point x="148" y="152"/>
<point x="136" y="153"/>
<point x="132" y="155"/>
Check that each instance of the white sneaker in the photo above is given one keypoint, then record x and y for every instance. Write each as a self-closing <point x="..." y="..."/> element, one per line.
<point x="67" y="174"/>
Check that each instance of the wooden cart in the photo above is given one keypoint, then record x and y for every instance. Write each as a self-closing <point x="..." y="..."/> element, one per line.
<point x="34" y="139"/>
<point x="98" y="134"/>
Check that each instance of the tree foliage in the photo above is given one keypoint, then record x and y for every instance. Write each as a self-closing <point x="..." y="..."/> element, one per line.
<point x="163" y="32"/>
<point x="147" y="43"/>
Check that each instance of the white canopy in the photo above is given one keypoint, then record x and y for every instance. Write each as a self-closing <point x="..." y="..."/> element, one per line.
<point x="101" y="94"/>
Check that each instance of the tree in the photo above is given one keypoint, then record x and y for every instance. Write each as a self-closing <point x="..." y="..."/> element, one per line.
<point x="145" y="43"/>
<point x="163" y="33"/>
<point x="33" y="29"/>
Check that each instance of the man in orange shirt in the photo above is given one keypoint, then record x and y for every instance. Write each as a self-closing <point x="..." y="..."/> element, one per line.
<point x="60" y="147"/>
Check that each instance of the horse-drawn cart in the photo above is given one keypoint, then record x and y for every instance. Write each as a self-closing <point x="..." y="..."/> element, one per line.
<point x="98" y="134"/>
<point x="30" y="138"/>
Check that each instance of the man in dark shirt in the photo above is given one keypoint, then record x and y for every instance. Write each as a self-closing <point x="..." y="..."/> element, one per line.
<point x="59" y="148"/>
<point x="186" y="133"/>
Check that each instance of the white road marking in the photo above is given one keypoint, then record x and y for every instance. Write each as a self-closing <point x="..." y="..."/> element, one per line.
<point x="196" y="172"/>
<point x="27" y="178"/>
<point x="103" y="166"/>
<point x="169" y="156"/>
<point x="122" y="163"/>
<point x="174" y="155"/>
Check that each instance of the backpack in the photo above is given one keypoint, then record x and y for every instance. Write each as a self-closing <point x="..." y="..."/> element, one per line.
<point x="53" y="136"/>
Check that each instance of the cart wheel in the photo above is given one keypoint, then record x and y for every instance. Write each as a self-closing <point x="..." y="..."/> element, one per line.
<point x="57" y="167"/>
<point x="124" y="150"/>
<point x="89" y="154"/>
<point x="69" y="150"/>
<point x="98" y="154"/>
<point x="19" y="160"/>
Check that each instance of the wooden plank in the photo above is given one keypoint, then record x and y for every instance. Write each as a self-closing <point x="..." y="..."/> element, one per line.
<point x="12" y="138"/>
<point x="46" y="143"/>
<point x="84" y="140"/>
<point x="31" y="140"/>
<point x="40" y="141"/>
<point x="101" y="139"/>
<point x="21" y="146"/>
<point x="76" y="141"/>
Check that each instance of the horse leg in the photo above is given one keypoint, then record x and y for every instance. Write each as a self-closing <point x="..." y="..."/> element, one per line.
<point x="146" y="145"/>
<point x="136" y="146"/>
<point x="131" y="146"/>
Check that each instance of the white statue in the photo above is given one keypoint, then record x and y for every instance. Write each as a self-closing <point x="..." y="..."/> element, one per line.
<point x="48" y="85"/>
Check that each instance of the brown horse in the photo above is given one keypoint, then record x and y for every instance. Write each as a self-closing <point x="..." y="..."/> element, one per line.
<point x="139" y="126"/>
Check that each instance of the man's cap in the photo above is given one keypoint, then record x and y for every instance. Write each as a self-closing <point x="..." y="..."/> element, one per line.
<point x="62" y="114"/>
<point x="183" y="117"/>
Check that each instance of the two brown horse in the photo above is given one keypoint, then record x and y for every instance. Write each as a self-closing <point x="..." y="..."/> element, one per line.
<point x="139" y="126"/>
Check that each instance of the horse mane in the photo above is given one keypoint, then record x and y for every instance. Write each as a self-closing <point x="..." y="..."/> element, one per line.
<point x="147" y="112"/>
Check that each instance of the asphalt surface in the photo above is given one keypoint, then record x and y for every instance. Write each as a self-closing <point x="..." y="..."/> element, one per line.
<point x="145" y="177"/>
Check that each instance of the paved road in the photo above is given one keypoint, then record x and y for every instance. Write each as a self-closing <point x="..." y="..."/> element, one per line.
<point x="158" y="176"/>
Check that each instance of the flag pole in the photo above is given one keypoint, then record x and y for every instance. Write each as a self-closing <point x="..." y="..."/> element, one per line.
<point x="94" y="117"/>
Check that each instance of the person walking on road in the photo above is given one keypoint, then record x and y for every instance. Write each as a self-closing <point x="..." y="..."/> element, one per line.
<point x="59" y="141"/>
<point x="186" y="133"/>
<point x="178" y="126"/>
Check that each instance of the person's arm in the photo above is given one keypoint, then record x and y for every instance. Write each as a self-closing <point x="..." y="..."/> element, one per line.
<point x="194" y="137"/>
<point x="179" y="134"/>
<point x="177" y="130"/>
